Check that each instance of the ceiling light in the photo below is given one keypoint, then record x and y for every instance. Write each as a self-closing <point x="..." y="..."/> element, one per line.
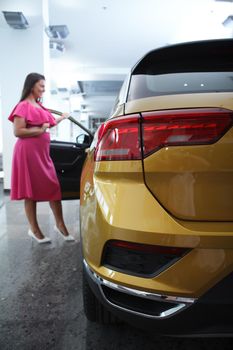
<point x="53" y="92"/>
<point x="16" y="20"/>
<point x="228" y="21"/>
<point x="63" y="89"/>
<point x="57" y="32"/>
<point x="60" y="47"/>
<point x="56" y="45"/>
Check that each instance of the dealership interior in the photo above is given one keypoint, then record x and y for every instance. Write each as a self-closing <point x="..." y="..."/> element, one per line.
<point x="85" y="49"/>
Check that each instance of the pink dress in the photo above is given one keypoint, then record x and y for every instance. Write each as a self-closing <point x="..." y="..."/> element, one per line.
<point x="33" y="172"/>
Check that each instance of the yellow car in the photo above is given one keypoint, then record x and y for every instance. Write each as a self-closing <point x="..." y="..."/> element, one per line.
<point x="156" y="197"/>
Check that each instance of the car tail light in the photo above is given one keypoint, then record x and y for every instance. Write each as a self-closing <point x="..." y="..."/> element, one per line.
<point x="184" y="127"/>
<point x="119" y="139"/>
<point x="140" y="259"/>
<point x="148" y="248"/>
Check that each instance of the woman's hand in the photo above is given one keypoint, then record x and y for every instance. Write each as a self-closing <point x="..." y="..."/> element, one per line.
<point x="45" y="126"/>
<point x="65" y="115"/>
<point x="62" y="117"/>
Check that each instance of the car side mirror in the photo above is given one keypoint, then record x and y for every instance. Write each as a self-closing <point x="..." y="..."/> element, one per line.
<point x="83" y="140"/>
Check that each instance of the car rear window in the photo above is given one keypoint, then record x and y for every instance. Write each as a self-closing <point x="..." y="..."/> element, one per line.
<point x="185" y="68"/>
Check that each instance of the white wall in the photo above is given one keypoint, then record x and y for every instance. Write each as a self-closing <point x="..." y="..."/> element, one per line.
<point x="0" y="121"/>
<point x="24" y="51"/>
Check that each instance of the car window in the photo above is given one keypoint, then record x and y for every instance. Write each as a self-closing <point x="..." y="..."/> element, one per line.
<point x="196" y="67"/>
<point x="66" y="131"/>
<point x="121" y="97"/>
<point x="179" y="83"/>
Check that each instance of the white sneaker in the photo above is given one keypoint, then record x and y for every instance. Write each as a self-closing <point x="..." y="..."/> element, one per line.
<point x="66" y="238"/>
<point x="42" y="240"/>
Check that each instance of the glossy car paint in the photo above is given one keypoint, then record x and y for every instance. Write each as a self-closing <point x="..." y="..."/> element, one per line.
<point x="183" y="199"/>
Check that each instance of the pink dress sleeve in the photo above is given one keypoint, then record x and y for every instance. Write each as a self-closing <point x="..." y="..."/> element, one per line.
<point x="32" y="115"/>
<point x="51" y="119"/>
<point x="20" y="110"/>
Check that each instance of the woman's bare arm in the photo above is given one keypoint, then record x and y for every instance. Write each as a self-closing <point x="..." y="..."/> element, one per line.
<point x="20" y="129"/>
<point x="62" y="117"/>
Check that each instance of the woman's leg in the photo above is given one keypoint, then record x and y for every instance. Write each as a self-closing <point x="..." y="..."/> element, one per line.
<point x="56" y="207"/>
<point x="30" y="209"/>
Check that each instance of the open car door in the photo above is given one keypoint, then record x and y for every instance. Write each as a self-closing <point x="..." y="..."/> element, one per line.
<point x="68" y="158"/>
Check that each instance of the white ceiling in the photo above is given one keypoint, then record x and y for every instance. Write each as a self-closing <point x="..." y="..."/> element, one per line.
<point x="107" y="37"/>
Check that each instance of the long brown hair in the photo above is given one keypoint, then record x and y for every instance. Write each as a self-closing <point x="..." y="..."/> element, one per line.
<point x="30" y="81"/>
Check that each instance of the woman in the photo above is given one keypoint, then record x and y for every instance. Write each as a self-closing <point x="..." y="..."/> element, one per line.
<point x="34" y="177"/>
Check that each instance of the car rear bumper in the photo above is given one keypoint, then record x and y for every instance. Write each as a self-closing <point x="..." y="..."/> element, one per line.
<point x="166" y="314"/>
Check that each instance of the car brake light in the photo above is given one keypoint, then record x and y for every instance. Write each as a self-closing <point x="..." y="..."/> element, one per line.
<point x="148" y="248"/>
<point x="119" y="139"/>
<point x="199" y="126"/>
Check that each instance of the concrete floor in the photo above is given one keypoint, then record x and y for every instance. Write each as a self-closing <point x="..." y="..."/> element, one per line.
<point x="40" y="294"/>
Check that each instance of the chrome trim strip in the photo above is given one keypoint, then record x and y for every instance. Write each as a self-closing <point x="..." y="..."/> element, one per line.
<point x="180" y="303"/>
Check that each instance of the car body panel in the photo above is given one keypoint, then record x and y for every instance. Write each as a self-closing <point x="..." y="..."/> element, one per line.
<point x="178" y="196"/>
<point x="121" y="207"/>
<point x="220" y="99"/>
<point x="192" y="182"/>
<point x="209" y="316"/>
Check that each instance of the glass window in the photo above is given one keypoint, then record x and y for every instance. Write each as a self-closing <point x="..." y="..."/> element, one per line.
<point x="196" y="67"/>
<point x="146" y="85"/>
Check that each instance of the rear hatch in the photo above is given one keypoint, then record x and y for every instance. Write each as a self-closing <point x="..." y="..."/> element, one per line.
<point x="184" y="95"/>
